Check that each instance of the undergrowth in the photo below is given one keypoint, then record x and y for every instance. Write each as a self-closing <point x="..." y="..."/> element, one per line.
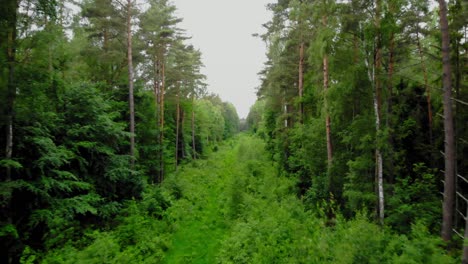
<point x="234" y="208"/>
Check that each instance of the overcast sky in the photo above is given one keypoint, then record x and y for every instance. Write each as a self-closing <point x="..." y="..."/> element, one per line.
<point x="222" y="30"/>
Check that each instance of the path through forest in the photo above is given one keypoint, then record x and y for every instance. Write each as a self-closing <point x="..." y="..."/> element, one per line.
<point x="213" y="199"/>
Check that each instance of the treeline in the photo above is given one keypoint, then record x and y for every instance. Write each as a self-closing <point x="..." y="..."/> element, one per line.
<point x="99" y="98"/>
<point x="353" y="103"/>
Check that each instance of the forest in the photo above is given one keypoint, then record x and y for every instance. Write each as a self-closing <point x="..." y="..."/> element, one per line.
<point x="113" y="150"/>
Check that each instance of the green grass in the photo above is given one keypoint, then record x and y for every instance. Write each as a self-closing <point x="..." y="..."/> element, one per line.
<point x="201" y="230"/>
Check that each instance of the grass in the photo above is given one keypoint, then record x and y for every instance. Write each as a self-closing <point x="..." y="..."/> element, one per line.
<point x="201" y="230"/>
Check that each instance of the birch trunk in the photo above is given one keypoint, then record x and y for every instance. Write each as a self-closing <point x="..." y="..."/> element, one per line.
<point x="377" y="106"/>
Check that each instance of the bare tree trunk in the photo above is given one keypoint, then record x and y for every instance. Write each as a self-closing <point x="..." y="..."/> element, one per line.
<point x="194" y="156"/>
<point x="327" y="117"/>
<point x="161" y="120"/>
<point x="156" y="91"/>
<point x="10" y="50"/>
<point x="8" y="19"/>
<point x="301" y="82"/>
<point x="326" y="85"/>
<point x="181" y="131"/>
<point x="377" y="110"/>
<point x="177" y="128"/>
<point x="130" y="83"/>
<point x="449" y="186"/>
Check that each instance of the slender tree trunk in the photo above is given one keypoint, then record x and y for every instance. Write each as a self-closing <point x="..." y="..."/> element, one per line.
<point x="10" y="50"/>
<point x="181" y="132"/>
<point x="194" y="156"/>
<point x="377" y="110"/>
<point x="449" y="186"/>
<point x="130" y="83"/>
<point x="326" y="85"/>
<point x="161" y="120"/>
<point x="327" y="117"/>
<point x="177" y="128"/>
<point x="156" y="91"/>
<point x="8" y="19"/>
<point x="301" y="82"/>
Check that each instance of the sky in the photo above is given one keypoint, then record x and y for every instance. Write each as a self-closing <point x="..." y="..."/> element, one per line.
<point x="222" y="30"/>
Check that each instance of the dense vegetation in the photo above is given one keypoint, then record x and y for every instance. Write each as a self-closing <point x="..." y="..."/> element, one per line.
<point x="64" y="88"/>
<point x="114" y="152"/>
<point x="240" y="212"/>
<point x="352" y="106"/>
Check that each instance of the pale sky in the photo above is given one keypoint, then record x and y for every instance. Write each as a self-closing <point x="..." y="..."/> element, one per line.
<point x="222" y="30"/>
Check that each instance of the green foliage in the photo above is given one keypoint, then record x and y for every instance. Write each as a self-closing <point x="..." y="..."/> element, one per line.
<point x="68" y="193"/>
<point x="415" y="200"/>
<point x="420" y="247"/>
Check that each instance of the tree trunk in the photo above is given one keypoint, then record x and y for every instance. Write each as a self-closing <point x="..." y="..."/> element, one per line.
<point x="130" y="83"/>
<point x="301" y="82"/>
<point x="9" y="48"/>
<point x="194" y="156"/>
<point x="449" y="186"/>
<point x="181" y="132"/>
<point x="377" y="110"/>
<point x="156" y="91"/>
<point x="177" y="128"/>
<point x="8" y="35"/>
<point x="327" y="115"/>
<point x="161" y="120"/>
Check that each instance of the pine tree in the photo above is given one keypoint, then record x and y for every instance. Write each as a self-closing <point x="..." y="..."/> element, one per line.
<point x="449" y="136"/>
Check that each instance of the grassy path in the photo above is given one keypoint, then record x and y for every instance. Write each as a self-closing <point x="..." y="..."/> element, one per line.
<point x="200" y="231"/>
<point x="216" y="191"/>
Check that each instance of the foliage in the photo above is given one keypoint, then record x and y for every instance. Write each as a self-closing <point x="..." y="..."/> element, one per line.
<point x="198" y="191"/>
